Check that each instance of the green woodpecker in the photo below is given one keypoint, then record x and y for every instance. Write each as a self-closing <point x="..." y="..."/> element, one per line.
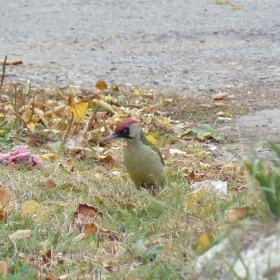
<point x="142" y="159"/>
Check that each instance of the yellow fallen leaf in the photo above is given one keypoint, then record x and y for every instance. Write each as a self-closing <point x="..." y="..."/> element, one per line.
<point x="224" y="114"/>
<point x="63" y="205"/>
<point x="20" y="234"/>
<point x="207" y="134"/>
<point x="151" y="139"/>
<point x="48" y="157"/>
<point x="3" y="132"/>
<point x="137" y="90"/>
<point x="78" y="111"/>
<point x="31" y="126"/>
<point x="101" y="84"/>
<point x="203" y="241"/>
<point x="31" y="207"/>
<point x="236" y="7"/>
<point x="222" y="2"/>
<point x="193" y="198"/>
<point x="164" y="101"/>
<point x="85" y="173"/>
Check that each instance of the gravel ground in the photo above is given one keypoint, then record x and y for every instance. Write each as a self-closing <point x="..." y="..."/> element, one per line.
<point x="182" y="44"/>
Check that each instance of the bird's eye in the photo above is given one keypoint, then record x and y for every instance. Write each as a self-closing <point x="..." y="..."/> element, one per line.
<point x="125" y="131"/>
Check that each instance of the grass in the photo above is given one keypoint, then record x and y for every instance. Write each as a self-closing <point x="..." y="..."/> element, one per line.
<point x="133" y="235"/>
<point x="155" y="237"/>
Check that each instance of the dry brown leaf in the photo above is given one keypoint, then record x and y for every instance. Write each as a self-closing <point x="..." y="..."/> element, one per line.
<point x="90" y="229"/>
<point x="88" y="98"/>
<point x="2" y="214"/>
<point x="59" y="111"/>
<point x="11" y="166"/>
<point x="236" y="214"/>
<point x="220" y="96"/>
<point x="108" y="261"/>
<point x="79" y="237"/>
<point x="127" y="205"/>
<point x="73" y="141"/>
<point x="39" y="112"/>
<point x="39" y="103"/>
<point x="20" y="234"/>
<point x="47" y="258"/>
<point x="49" y="184"/>
<point x="112" y="247"/>
<point x="66" y="186"/>
<point x="229" y="165"/>
<point x="11" y="62"/>
<point x="70" y="100"/>
<point x="3" y="270"/>
<point x="107" y="159"/>
<point x="152" y="107"/>
<point x="5" y="197"/>
<point x="206" y="105"/>
<point x="87" y="211"/>
<point x="104" y="230"/>
<point x="99" y="169"/>
<point x="220" y="104"/>
<point x="4" y="201"/>
<point x="84" y="150"/>
<point x="50" y="276"/>
<point x="198" y="139"/>
<point x="148" y="95"/>
<point x="37" y="139"/>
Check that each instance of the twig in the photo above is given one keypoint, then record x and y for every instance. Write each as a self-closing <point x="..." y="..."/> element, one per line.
<point x="22" y="120"/>
<point x="69" y="128"/>
<point x="3" y="72"/>
<point x="92" y="118"/>
<point x="29" y="89"/>
<point x="33" y="107"/>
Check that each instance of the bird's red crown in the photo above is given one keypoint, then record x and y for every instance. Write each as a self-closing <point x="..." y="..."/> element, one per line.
<point x="124" y="123"/>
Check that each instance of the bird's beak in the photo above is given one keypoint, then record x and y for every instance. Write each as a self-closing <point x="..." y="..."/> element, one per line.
<point x="109" y="137"/>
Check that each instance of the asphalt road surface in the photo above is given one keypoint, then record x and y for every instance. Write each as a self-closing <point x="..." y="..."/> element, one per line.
<point x="179" y="44"/>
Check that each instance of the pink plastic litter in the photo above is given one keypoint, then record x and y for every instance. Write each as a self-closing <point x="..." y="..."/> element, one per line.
<point x="19" y="154"/>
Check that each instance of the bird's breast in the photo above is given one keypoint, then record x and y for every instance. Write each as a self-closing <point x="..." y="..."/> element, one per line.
<point x="144" y="165"/>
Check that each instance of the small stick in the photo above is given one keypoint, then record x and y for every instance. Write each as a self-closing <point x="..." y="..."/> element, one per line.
<point x="22" y="120"/>
<point x="3" y="72"/>
<point x="69" y="128"/>
<point x="92" y="117"/>
<point x="33" y="106"/>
